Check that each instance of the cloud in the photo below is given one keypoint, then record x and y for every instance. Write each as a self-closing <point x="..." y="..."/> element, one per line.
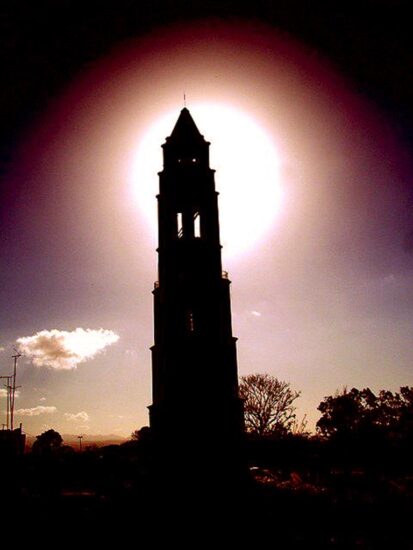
<point x="256" y="313"/>
<point x="81" y="416"/>
<point x="36" y="411"/>
<point x="42" y="399"/>
<point x="3" y="393"/>
<point x="61" y="349"/>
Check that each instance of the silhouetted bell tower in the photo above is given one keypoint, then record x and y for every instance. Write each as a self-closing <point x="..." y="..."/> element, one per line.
<point x="196" y="411"/>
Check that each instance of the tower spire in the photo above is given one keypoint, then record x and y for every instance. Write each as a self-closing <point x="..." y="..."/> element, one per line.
<point x="185" y="130"/>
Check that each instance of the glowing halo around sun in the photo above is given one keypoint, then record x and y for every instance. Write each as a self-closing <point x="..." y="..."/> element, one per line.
<point x="247" y="173"/>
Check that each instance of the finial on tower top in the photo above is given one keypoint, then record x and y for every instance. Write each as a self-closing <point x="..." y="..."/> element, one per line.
<point x="184" y="99"/>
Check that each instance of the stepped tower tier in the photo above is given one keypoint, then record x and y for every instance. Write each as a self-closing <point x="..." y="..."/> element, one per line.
<point x="194" y="360"/>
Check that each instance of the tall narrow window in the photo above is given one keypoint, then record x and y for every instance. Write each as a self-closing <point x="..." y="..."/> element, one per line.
<point x="190" y="321"/>
<point x="180" y="226"/>
<point x="197" y="225"/>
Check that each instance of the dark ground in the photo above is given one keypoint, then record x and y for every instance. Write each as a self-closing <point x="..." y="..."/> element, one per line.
<point x="108" y="493"/>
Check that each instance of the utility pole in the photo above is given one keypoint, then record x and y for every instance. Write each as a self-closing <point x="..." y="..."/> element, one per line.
<point x="8" y="386"/>
<point x="80" y="437"/>
<point x="13" y="389"/>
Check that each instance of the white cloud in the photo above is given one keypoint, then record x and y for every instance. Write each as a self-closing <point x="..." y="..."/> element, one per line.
<point x="81" y="416"/>
<point x="36" y="411"/>
<point x="256" y="313"/>
<point x="61" y="349"/>
<point x="42" y="399"/>
<point x="3" y="393"/>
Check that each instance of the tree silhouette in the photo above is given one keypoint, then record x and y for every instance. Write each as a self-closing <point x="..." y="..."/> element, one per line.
<point x="47" y="443"/>
<point x="143" y="434"/>
<point x="268" y="404"/>
<point x="361" y="412"/>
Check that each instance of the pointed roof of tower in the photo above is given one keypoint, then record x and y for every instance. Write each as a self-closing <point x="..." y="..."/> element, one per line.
<point x="185" y="128"/>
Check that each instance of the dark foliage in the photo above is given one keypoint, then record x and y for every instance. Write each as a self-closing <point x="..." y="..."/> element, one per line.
<point x="307" y="488"/>
<point x="143" y="434"/>
<point x="361" y="413"/>
<point x="350" y="488"/>
<point x="47" y="443"/>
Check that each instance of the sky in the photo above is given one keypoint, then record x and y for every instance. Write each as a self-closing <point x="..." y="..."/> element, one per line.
<point x="312" y="147"/>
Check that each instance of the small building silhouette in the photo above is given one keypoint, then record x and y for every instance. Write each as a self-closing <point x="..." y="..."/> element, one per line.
<point x="196" y="417"/>
<point x="12" y="442"/>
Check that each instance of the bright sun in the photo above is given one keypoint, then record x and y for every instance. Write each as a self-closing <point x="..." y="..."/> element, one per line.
<point x="247" y="173"/>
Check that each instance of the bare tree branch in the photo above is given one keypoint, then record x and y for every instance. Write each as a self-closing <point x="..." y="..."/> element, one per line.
<point x="268" y="404"/>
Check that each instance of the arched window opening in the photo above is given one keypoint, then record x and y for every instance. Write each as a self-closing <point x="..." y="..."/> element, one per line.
<point x="197" y="225"/>
<point x="180" y="225"/>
